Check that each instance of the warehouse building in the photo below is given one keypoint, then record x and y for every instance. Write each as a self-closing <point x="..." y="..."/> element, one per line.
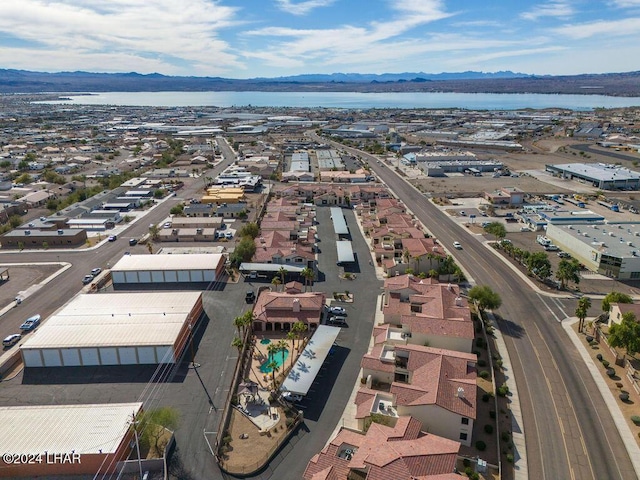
<point x="55" y="440"/>
<point x="115" y="329"/>
<point x="609" y="249"/>
<point x="600" y="175"/>
<point x="196" y="270"/>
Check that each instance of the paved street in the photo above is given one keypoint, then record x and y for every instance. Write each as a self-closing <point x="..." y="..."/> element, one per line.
<point x="569" y="431"/>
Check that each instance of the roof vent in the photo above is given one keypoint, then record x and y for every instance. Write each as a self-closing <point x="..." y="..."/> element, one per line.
<point x="460" y="392"/>
<point x="458" y="301"/>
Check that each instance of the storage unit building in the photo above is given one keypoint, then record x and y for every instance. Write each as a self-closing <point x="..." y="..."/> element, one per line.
<point x="115" y="329"/>
<point x="181" y="269"/>
<point x="53" y="440"/>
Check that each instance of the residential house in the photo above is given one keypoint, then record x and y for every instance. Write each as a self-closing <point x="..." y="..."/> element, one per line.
<point x="399" y="452"/>
<point x="617" y="310"/>
<point x="435" y="386"/>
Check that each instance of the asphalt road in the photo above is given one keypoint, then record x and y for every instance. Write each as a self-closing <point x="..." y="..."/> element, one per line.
<point x="569" y="431"/>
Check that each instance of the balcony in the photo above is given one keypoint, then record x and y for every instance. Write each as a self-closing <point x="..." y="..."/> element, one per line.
<point x="388" y="354"/>
<point x="383" y="405"/>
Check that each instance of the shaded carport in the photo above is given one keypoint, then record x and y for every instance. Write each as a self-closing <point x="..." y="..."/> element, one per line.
<point x="306" y="368"/>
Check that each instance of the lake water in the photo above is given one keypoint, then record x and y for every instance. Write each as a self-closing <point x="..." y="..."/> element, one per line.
<point x="354" y="100"/>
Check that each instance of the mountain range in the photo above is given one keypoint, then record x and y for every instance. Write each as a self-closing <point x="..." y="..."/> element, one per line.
<point x="618" y="84"/>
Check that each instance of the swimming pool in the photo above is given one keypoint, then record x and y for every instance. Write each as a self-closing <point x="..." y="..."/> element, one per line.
<point x="279" y="358"/>
<point x="265" y="341"/>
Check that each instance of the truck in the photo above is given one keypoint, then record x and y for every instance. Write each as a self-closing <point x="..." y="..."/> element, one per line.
<point x="611" y="206"/>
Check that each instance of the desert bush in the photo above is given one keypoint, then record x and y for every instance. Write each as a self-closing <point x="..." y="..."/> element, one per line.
<point x="635" y="419"/>
<point x="483" y="374"/>
<point x="481" y="446"/>
<point x="488" y="428"/>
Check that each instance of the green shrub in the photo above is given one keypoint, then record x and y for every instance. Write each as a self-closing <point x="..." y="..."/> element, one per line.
<point x="503" y="390"/>
<point x="483" y="374"/>
<point x="488" y="428"/>
<point x="510" y="457"/>
<point x="481" y="446"/>
<point x="485" y="397"/>
<point x="466" y="462"/>
<point x="492" y="414"/>
<point x="605" y="363"/>
<point x="635" y="419"/>
<point x="498" y="363"/>
<point x="482" y="363"/>
<point x="479" y="342"/>
<point x="468" y="471"/>
<point x="506" y="436"/>
<point x="599" y="357"/>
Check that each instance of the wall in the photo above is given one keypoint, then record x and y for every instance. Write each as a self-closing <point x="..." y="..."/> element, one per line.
<point x="440" y="421"/>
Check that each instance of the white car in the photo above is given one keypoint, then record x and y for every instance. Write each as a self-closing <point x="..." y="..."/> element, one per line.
<point x="457" y="245"/>
<point x="292" y="397"/>
<point x="337" y="310"/>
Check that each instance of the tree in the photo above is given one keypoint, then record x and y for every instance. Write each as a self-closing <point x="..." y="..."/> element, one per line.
<point x="308" y="274"/>
<point x="283" y="273"/>
<point x="154" y="232"/>
<point x="15" y="221"/>
<point x="299" y="328"/>
<point x="584" y="304"/>
<point x="496" y="229"/>
<point x="152" y="425"/>
<point x="238" y="343"/>
<point x="273" y="365"/>
<point x="626" y="334"/>
<point x="291" y="336"/>
<point x="250" y="230"/>
<point x="244" y="251"/>
<point x="485" y="297"/>
<point x="615" y="297"/>
<point x="243" y="322"/>
<point x="276" y="281"/>
<point x="538" y="263"/>
<point x="568" y="271"/>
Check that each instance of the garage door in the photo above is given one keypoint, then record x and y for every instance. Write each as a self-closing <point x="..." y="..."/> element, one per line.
<point x="127" y="355"/>
<point x="165" y="355"/>
<point x="108" y="356"/>
<point x="52" y="358"/>
<point x="32" y="358"/>
<point x="147" y="355"/>
<point x="89" y="356"/>
<point x="209" y="275"/>
<point x="197" y="276"/>
<point x="70" y="357"/>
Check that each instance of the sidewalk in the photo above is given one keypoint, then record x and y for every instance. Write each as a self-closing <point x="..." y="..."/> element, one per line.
<point x="612" y="404"/>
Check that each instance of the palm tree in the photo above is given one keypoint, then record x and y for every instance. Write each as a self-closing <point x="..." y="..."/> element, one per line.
<point x="292" y="337"/>
<point x="298" y="329"/>
<point x="243" y="322"/>
<point x="276" y="281"/>
<point x="283" y="273"/>
<point x="308" y="275"/>
<point x="584" y="304"/>
<point x="238" y="343"/>
<point x="273" y="365"/>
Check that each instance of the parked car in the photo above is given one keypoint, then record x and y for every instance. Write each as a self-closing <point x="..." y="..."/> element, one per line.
<point x="337" y="310"/>
<point x="11" y="340"/>
<point x="551" y="248"/>
<point x="166" y="225"/>
<point x="30" y="323"/>
<point x="338" y="320"/>
<point x="87" y="279"/>
<point x="292" y="397"/>
<point x="564" y="255"/>
<point x="133" y="242"/>
<point x="229" y="235"/>
<point x="112" y="238"/>
<point x="457" y="245"/>
<point x="96" y="271"/>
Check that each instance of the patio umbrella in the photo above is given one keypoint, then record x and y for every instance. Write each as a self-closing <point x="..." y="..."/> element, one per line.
<point x="248" y="388"/>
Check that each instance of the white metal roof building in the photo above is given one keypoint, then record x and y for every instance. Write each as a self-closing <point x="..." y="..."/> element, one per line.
<point x="65" y="439"/>
<point x="196" y="268"/>
<point x="306" y="368"/>
<point x="345" y="252"/>
<point x="339" y="222"/>
<point x="600" y="175"/>
<point x="115" y="329"/>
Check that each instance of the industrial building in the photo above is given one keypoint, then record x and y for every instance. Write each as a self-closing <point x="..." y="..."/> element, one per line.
<point x="609" y="249"/>
<point x="199" y="269"/>
<point x="65" y="439"/>
<point x="600" y="175"/>
<point x="115" y="329"/>
<point x="60" y="238"/>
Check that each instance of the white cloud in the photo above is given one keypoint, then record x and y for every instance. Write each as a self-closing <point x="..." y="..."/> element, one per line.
<point x="561" y="9"/>
<point x="302" y="8"/>
<point x="163" y="33"/>
<point x="614" y="28"/>
<point x="626" y="3"/>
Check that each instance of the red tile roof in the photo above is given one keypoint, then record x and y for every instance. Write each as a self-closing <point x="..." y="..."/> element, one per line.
<point x="282" y="306"/>
<point x="402" y="452"/>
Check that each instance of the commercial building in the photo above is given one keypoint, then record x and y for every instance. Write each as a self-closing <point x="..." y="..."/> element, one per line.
<point x="115" y="329"/>
<point x="60" y="238"/>
<point x="600" y="175"/>
<point x="280" y="310"/>
<point x="609" y="249"/>
<point x="56" y="440"/>
<point x="198" y="269"/>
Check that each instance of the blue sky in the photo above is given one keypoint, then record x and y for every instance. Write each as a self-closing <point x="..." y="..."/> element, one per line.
<point x="270" y="38"/>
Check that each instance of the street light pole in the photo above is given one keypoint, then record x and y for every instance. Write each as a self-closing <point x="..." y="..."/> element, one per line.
<point x="135" y="433"/>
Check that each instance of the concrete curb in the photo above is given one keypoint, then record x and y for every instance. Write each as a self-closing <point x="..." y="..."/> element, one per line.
<point x="621" y="424"/>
